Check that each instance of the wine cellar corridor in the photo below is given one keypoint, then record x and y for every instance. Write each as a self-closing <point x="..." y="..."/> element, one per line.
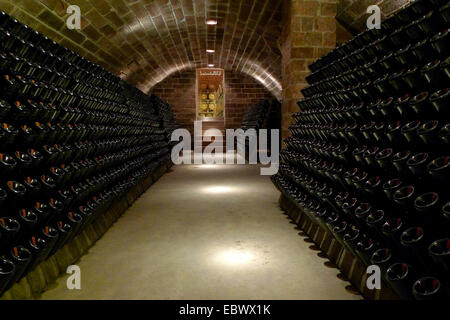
<point x="225" y="150"/>
<point x="251" y="248"/>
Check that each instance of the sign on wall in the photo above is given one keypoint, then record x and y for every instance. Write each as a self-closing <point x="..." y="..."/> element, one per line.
<point x="210" y="94"/>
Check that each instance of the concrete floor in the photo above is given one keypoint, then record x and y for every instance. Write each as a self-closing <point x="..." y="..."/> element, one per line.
<point x="205" y="232"/>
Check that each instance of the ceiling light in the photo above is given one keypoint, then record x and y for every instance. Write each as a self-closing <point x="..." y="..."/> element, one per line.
<point x="210" y="50"/>
<point x="211" y="22"/>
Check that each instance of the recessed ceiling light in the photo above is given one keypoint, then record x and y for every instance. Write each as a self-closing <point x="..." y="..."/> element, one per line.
<point x="210" y="50"/>
<point x="210" y="65"/>
<point x="211" y="22"/>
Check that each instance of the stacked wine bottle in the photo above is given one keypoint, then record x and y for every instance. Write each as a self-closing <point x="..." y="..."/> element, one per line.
<point x="256" y="115"/>
<point x="164" y="110"/>
<point x="369" y="155"/>
<point x="262" y="115"/>
<point x="73" y="138"/>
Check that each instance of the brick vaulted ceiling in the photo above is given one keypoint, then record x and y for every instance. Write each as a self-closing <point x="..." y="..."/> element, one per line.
<point x="145" y="41"/>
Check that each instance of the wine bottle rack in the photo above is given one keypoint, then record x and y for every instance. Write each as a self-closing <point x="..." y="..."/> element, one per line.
<point x="73" y="138"/>
<point x="369" y="154"/>
<point x="262" y="115"/>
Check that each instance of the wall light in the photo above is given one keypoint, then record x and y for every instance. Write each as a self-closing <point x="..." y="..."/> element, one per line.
<point x="211" y="22"/>
<point x="211" y="65"/>
<point x="210" y="50"/>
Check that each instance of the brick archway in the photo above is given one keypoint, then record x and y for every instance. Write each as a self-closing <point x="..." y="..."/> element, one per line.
<point x="241" y="91"/>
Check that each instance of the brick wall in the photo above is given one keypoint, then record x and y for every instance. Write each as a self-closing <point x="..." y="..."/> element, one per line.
<point x="179" y="91"/>
<point x="241" y="91"/>
<point x="309" y="32"/>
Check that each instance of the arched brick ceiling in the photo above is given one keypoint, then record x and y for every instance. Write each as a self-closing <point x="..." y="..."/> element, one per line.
<point x="245" y="38"/>
<point x="146" y="41"/>
<point x="352" y="13"/>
